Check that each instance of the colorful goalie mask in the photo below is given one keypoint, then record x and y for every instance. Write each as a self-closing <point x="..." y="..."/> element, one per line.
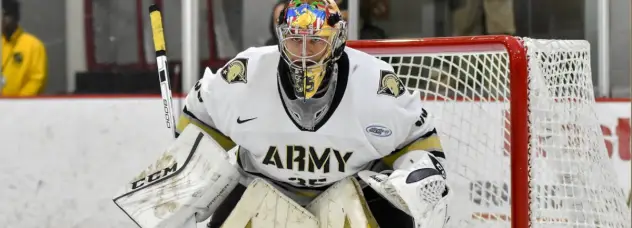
<point x="310" y="35"/>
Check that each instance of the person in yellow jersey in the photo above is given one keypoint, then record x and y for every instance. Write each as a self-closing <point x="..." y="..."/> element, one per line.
<point x="24" y="66"/>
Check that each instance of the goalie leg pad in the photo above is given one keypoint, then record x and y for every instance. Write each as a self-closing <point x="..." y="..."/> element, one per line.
<point x="263" y="206"/>
<point x="190" y="179"/>
<point x="343" y="205"/>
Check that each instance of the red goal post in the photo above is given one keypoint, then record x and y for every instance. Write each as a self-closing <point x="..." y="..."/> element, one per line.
<point x="529" y="106"/>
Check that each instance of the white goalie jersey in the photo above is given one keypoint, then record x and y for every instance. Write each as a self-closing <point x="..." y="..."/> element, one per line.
<point x="372" y="118"/>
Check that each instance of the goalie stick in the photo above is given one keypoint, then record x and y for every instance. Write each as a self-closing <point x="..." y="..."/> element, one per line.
<point x="161" y="62"/>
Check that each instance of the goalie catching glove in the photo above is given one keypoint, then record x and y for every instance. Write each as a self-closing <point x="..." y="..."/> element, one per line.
<point x="417" y="186"/>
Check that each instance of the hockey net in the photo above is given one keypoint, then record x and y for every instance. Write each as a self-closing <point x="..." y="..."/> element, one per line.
<point x="517" y="121"/>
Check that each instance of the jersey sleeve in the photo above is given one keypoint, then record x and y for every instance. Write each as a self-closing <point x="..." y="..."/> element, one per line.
<point x="413" y="123"/>
<point x="196" y="110"/>
<point x="215" y="96"/>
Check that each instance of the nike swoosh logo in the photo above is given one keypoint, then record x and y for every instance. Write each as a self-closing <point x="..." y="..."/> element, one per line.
<point x="240" y="121"/>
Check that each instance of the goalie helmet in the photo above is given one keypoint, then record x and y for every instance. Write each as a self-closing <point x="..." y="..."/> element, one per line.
<point x="312" y="37"/>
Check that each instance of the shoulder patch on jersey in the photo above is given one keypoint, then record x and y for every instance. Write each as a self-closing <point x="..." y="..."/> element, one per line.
<point x="235" y="71"/>
<point x="390" y="84"/>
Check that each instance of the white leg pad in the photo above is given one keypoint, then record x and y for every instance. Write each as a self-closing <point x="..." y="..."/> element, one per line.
<point x="343" y="205"/>
<point x="190" y="179"/>
<point x="263" y="206"/>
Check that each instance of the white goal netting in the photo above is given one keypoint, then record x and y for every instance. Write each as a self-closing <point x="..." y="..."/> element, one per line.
<point x="466" y="86"/>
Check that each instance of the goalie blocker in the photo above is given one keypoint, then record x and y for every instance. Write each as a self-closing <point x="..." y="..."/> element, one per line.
<point x="184" y="186"/>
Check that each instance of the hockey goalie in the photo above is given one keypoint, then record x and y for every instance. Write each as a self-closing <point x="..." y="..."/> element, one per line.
<point x="309" y="133"/>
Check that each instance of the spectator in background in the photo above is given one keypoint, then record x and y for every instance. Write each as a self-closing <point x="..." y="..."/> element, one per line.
<point x="482" y="17"/>
<point x="23" y="55"/>
<point x="370" y="31"/>
<point x="276" y="11"/>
